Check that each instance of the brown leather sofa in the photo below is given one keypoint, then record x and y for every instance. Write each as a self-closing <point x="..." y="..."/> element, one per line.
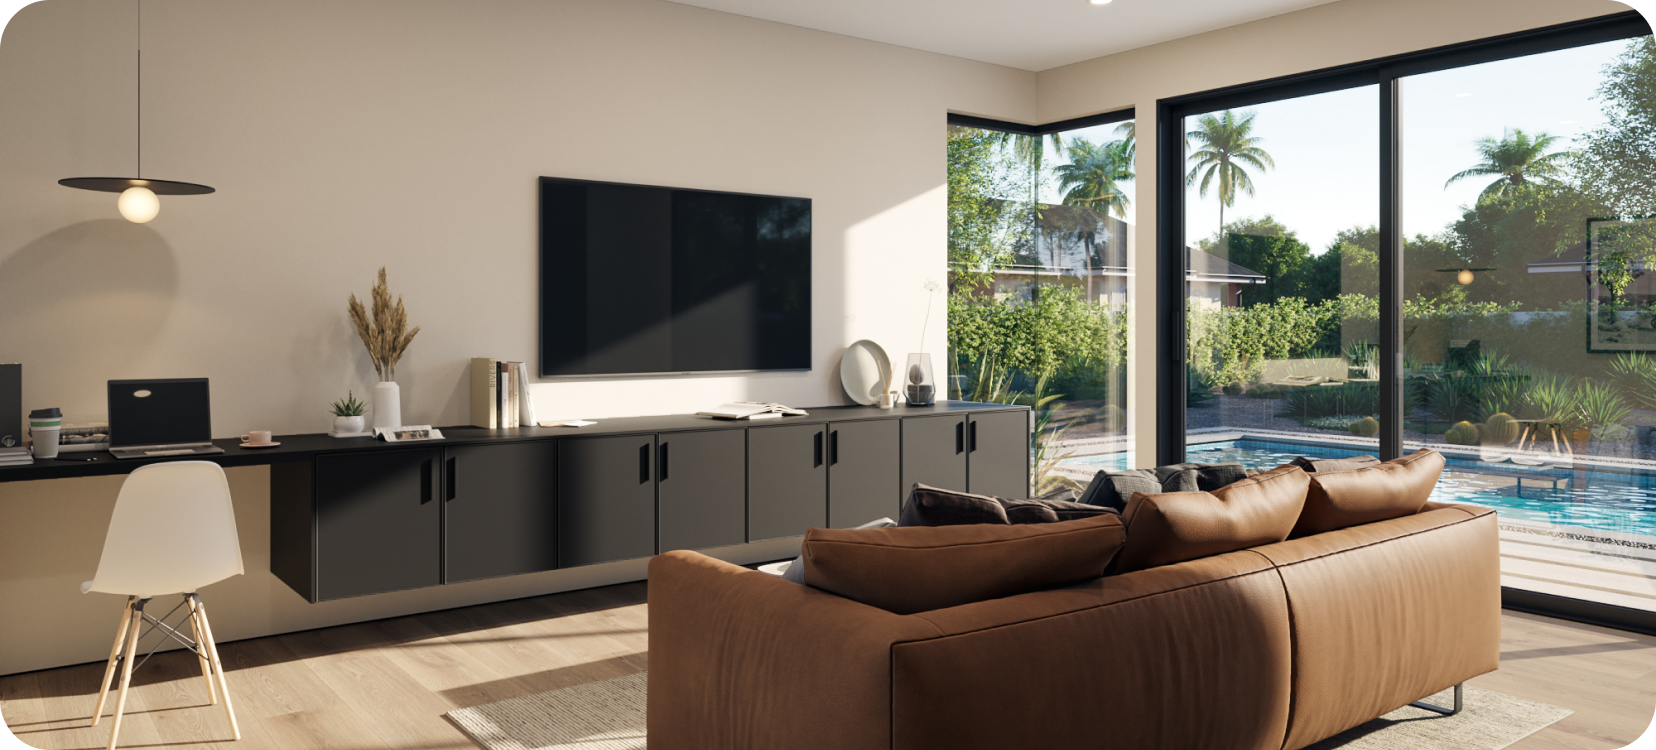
<point x="1270" y="648"/>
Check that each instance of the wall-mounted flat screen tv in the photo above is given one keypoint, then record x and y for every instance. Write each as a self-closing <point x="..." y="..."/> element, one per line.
<point x="641" y="280"/>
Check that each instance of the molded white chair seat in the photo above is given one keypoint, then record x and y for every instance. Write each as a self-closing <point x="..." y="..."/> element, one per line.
<point x="174" y="531"/>
<point x="9" y="741"/>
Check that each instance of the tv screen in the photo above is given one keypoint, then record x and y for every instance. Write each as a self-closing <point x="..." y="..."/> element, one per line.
<point x="649" y="280"/>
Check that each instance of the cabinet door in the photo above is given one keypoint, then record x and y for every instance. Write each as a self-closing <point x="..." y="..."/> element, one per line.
<point x="379" y="524"/>
<point x="997" y="448"/>
<point x="500" y="516"/>
<point x="934" y="452"/>
<point x="787" y="480"/>
<point x="702" y="490"/>
<point x="864" y="472"/>
<point x="606" y="499"/>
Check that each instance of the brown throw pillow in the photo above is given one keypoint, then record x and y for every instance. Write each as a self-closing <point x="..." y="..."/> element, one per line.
<point x="1394" y="489"/>
<point x="1042" y="510"/>
<point x="931" y="506"/>
<point x="918" y="569"/>
<point x="1178" y="526"/>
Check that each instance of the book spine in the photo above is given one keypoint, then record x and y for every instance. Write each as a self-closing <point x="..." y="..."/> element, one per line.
<point x="484" y="386"/>
<point x="526" y="404"/>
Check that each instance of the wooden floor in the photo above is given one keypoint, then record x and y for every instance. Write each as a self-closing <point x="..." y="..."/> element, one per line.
<point x="387" y="684"/>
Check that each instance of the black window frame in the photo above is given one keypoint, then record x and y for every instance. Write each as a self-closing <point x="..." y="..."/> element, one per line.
<point x="1385" y="73"/>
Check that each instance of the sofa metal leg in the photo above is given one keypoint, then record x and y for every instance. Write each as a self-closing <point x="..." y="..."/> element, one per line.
<point x="1440" y="709"/>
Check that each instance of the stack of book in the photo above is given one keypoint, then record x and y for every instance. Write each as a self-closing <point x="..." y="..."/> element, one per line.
<point x="500" y="394"/>
<point x="15" y="456"/>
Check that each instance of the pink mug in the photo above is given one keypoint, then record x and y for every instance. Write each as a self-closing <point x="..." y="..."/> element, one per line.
<point x="257" y="437"/>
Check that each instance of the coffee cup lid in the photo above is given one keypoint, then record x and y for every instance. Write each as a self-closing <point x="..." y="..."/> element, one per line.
<point x="45" y="413"/>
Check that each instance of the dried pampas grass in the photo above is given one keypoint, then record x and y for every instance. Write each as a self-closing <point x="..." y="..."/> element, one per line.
<point x="384" y="333"/>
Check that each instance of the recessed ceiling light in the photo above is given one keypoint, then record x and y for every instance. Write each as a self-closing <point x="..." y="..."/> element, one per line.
<point x="1100" y="2"/>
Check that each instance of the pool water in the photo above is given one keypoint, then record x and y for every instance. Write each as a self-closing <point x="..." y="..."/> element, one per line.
<point x="1593" y="498"/>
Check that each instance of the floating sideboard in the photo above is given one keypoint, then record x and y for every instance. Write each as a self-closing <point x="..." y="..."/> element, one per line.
<point x="370" y="517"/>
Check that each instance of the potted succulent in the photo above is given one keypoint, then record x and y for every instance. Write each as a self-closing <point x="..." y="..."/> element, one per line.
<point x="348" y="419"/>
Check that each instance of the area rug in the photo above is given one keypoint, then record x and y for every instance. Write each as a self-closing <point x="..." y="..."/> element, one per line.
<point x="609" y="715"/>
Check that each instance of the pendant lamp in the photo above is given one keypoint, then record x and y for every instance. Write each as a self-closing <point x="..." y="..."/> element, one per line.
<point x="138" y="202"/>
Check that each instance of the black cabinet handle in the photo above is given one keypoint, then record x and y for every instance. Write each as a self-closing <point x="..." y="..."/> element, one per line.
<point x="644" y="463"/>
<point x="663" y="462"/>
<point x="816" y="448"/>
<point x="428" y="477"/>
<point x="974" y="437"/>
<point x="449" y="478"/>
<point x="833" y="448"/>
<point x="960" y="438"/>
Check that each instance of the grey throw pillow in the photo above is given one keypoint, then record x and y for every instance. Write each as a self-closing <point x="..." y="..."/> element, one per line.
<point x="1112" y="489"/>
<point x="796" y="571"/>
<point x="1181" y="481"/>
<point x="1209" y="477"/>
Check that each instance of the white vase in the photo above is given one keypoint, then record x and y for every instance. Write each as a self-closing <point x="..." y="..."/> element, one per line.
<point x="349" y="425"/>
<point x="387" y="405"/>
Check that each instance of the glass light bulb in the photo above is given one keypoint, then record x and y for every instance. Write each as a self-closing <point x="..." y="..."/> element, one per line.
<point x="1464" y="277"/>
<point x="138" y="204"/>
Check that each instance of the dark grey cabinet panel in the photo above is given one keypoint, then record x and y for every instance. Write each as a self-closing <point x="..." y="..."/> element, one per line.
<point x="864" y="472"/>
<point x="934" y="452"/>
<point x="997" y="447"/>
<point x="500" y="516"/>
<point x="606" y="499"/>
<point x="379" y="522"/>
<point x="701" y="489"/>
<point x="787" y="480"/>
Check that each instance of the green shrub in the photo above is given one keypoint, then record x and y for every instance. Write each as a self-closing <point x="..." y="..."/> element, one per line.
<point x="1366" y="427"/>
<point x="1327" y="401"/>
<point x="1500" y="429"/>
<point x="1601" y="404"/>
<point x="1463" y="433"/>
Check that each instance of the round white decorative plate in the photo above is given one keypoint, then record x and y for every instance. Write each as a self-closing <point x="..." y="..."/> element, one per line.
<point x="862" y="370"/>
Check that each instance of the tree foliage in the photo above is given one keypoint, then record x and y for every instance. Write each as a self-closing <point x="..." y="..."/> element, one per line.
<point x="1224" y="144"/>
<point x="1091" y="177"/>
<point x="986" y="222"/>
<point x="1616" y="163"/>
<point x="1517" y="160"/>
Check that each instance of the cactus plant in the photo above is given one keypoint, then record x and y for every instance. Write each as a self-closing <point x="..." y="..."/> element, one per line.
<point x="1463" y="433"/>
<point x="1365" y="427"/>
<point x="1500" y="429"/>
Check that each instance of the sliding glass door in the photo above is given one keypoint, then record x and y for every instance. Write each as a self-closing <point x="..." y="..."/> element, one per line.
<point x="1454" y="250"/>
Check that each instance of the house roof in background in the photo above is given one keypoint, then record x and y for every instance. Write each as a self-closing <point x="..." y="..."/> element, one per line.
<point x="1028" y="34"/>
<point x="1204" y="267"/>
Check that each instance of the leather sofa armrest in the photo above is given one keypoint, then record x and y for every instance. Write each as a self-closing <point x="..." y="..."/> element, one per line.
<point x="743" y="660"/>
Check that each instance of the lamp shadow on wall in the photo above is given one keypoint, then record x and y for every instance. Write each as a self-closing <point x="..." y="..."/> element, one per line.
<point x="85" y="301"/>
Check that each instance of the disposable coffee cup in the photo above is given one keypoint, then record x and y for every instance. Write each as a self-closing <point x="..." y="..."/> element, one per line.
<point x="45" y="425"/>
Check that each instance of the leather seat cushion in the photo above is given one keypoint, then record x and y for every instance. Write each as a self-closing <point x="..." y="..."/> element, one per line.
<point x="1173" y="527"/>
<point x="1393" y="489"/>
<point x="920" y="568"/>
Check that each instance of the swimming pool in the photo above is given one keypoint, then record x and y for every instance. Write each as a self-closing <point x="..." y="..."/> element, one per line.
<point x="1593" y="498"/>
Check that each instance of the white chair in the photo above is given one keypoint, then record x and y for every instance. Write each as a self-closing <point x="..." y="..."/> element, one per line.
<point x="9" y="741"/>
<point x="174" y="531"/>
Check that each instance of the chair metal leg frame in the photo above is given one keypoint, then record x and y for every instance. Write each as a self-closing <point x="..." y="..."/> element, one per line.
<point x="1440" y="709"/>
<point x="200" y="642"/>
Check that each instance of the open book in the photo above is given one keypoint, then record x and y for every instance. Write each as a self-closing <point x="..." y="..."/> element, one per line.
<point x="752" y="410"/>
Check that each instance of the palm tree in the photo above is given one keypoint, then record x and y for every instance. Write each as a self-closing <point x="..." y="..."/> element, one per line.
<point x="1029" y="149"/>
<point x="1224" y="144"/>
<point x="1090" y="177"/>
<point x="1129" y="135"/>
<point x="1516" y="159"/>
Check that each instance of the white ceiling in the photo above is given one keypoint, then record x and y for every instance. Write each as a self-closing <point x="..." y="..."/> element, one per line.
<point x="1027" y="34"/>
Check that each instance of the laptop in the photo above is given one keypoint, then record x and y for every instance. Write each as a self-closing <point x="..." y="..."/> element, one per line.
<point x="154" y="418"/>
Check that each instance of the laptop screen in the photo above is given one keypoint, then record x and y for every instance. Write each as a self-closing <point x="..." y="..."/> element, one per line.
<point x="159" y="412"/>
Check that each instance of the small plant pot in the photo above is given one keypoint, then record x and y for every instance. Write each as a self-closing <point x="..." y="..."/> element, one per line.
<point x="347" y="425"/>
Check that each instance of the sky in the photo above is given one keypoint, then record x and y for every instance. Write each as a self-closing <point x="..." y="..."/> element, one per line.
<point x="1326" y="147"/>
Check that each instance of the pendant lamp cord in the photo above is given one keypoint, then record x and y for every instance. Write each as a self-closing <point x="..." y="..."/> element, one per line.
<point x="140" y="173"/>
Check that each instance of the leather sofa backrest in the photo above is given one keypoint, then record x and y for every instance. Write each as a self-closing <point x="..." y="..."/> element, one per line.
<point x="1173" y="527"/>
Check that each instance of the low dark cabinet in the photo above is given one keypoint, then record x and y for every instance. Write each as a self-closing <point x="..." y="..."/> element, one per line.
<point x="500" y="510"/>
<point x="787" y="480"/>
<point x="864" y="472"/>
<point x="606" y="499"/>
<point x="934" y="452"/>
<point x="701" y="492"/>
<point x="997" y="448"/>
<point x="378" y="522"/>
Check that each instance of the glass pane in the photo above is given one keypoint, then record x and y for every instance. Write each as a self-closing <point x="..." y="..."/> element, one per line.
<point x="1529" y="329"/>
<point x="1281" y="314"/>
<point x="1040" y="256"/>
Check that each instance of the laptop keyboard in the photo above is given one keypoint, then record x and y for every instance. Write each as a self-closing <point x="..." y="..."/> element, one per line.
<point x="171" y="452"/>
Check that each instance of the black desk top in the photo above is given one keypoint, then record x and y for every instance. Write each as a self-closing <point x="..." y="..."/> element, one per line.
<point x="306" y="447"/>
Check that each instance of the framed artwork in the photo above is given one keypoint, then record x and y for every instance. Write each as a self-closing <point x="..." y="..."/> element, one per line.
<point x="1621" y="295"/>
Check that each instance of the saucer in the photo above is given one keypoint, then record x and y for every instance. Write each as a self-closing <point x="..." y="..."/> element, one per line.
<point x="260" y="445"/>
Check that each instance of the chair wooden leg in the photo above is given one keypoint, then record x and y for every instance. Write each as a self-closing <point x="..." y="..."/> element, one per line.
<point x="201" y="646"/>
<point x="114" y="654"/>
<point x="136" y="620"/>
<point x="218" y="665"/>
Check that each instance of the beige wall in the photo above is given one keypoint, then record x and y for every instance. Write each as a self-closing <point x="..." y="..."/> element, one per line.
<point x="346" y="135"/>
<point x="1321" y="37"/>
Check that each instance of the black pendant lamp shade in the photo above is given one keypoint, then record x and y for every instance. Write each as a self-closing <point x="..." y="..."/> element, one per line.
<point x="140" y="204"/>
<point x="120" y="184"/>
